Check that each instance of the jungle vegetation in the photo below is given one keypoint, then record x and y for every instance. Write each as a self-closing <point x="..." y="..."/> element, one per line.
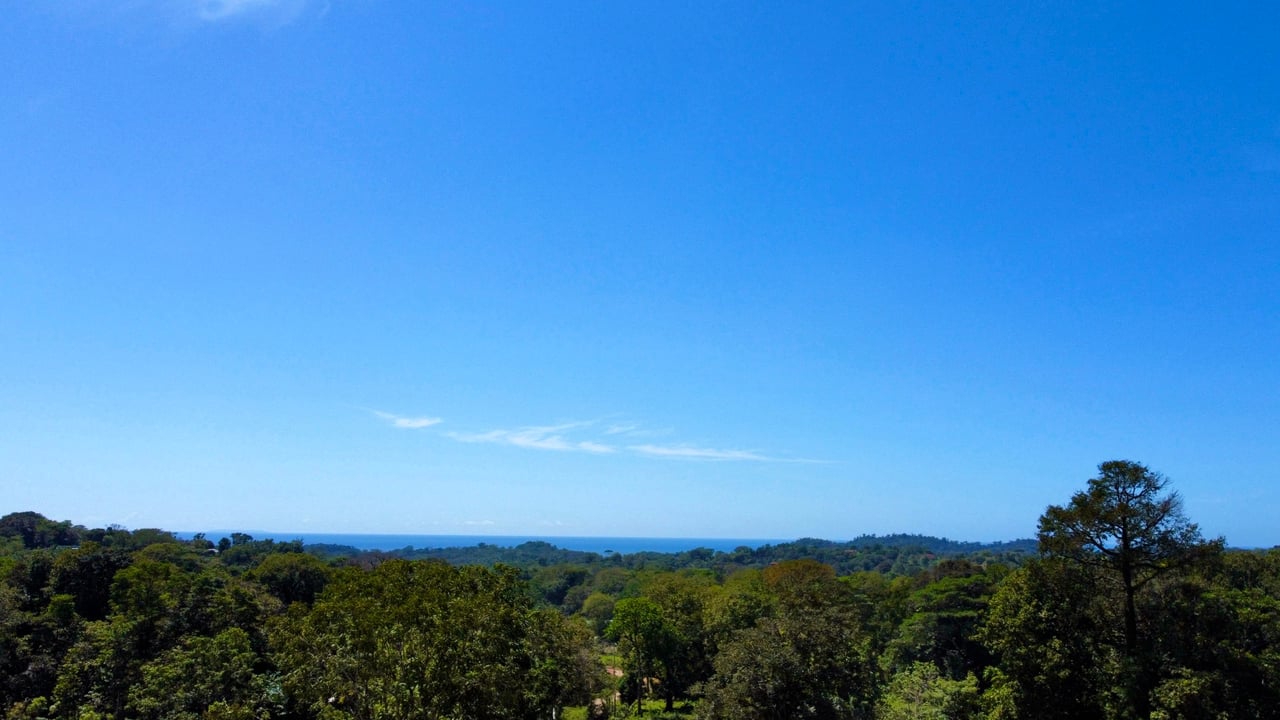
<point x="1119" y="610"/>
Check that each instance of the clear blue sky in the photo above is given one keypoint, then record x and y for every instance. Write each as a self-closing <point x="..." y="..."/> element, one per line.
<point x="667" y="269"/>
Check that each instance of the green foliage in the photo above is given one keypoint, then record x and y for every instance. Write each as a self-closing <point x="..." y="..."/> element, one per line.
<point x="564" y="668"/>
<point x="1189" y="696"/>
<point x="425" y="639"/>
<point x="292" y="577"/>
<point x="737" y="605"/>
<point x="185" y="683"/>
<point x="1126" y="527"/>
<point x="245" y="552"/>
<point x="86" y="574"/>
<point x="98" y="671"/>
<point x="810" y="660"/>
<point x="920" y="692"/>
<point x="1046" y="627"/>
<point x="31" y="646"/>
<point x="1123" y="524"/>
<point x="138" y="625"/>
<point x="649" y="642"/>
<point x="597" y="610"/>
<point x="891" y="554"/>
<point x="942" y="620"/>
<point x="36" y="531"/>
<point x="553" y="585"/>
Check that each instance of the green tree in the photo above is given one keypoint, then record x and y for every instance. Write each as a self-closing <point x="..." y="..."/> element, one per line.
<point x="1048" y="625"/>
<point x="185" y="682"/>
<point x="97" y="673"/>
<point x="649" y="643"/>
<point x="736" y="605"/>
<point x="597" y="609"/>
<point x="32" y="645"/>
<point x="809" y="660"/>
<point x="682" y="597"/>
<point x="944" y="615"/>
<point x="86" y="574"/>
<point x="1126" y="525"/>
<point x="37" y="531"/>
<point x="423" y="639"/>
<point x="920" y="692"/>
<point x="564" y="667"/>
<point x="553" y="583"/>
<point x="1218" y="641"/>
<point x="292" y="577"/>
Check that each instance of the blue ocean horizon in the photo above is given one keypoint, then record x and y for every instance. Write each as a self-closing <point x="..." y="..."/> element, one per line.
<point x="601" y="545"/>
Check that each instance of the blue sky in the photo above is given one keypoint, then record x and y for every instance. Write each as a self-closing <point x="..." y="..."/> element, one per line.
<point x="649" y="269"/>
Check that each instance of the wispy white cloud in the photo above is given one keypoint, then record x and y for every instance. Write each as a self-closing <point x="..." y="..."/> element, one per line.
<point x="690" y="452"/>
<point x="185" y="15"/>
<point x="635" y="430"/>
<point x="698" y="453"/>
<point x="478" y="523"/>
<point x="590" y="437"/>
<point x="544" y="437"/>
<point x="407" y="423"/>
<point x="278" y="11"/>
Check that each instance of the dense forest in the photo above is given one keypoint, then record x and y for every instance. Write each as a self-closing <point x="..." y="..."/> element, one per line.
<point x="1118" y="610"/>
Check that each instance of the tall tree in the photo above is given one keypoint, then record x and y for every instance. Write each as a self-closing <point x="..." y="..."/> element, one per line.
<point x="1126" y="524"/>
<point x="647" y="639"/>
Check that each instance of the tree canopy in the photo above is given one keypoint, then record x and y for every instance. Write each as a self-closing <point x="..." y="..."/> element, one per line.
<point x="1127" y="614"/>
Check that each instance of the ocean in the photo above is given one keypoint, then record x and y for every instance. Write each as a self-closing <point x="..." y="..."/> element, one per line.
<point x="602" y="545"/>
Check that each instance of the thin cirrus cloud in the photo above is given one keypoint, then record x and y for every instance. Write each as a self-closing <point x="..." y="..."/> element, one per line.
<point x="283" y="11"/>
<point x="624" y="429"/>
<point x="699" y="453"/>
<point x="555" y="437"/>
<point x="407" y="423"/>
<point x="634" y="430"/>
<point x="544" y="437"/>
<point x="269" y="14"/>
<point x="689" y="452"/>
<point x="585" y="437"/>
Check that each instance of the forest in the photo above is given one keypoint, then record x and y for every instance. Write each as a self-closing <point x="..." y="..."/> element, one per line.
<point x="1119" y="609"/>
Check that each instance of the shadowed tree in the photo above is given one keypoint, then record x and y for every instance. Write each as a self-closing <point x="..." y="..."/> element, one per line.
<point x="423" y="639"/>
<point x="646" y="638"/>
<point x="808" y="659"/>
<point x="1128" y="527"/>
<point x="1124" y="523"/>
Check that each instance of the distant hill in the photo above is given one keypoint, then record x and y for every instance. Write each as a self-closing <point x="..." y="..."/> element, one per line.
<point x="894" y="554"/>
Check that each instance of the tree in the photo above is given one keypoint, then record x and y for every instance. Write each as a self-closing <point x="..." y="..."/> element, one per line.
<point x="423" y="639"/>
<point x="920" y="692"/>
<point x="682" y="597"/>
<point x="1126" y="526"/>
<point x="1123" y="524"/>
<point x="185" y="682"/>
<point x="944" y="615"/>
<point x="38" y="531"/>
<point x="736" y="605"/>
<point x="646" y="638"/>
<point x="86" y="574"/>
<point x="809" y="659"/>
<point x="1218" y="639"/>
<point x="292" y="577"/>
<point x="1046" y="628"/>
<point x="598" y="611"/>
